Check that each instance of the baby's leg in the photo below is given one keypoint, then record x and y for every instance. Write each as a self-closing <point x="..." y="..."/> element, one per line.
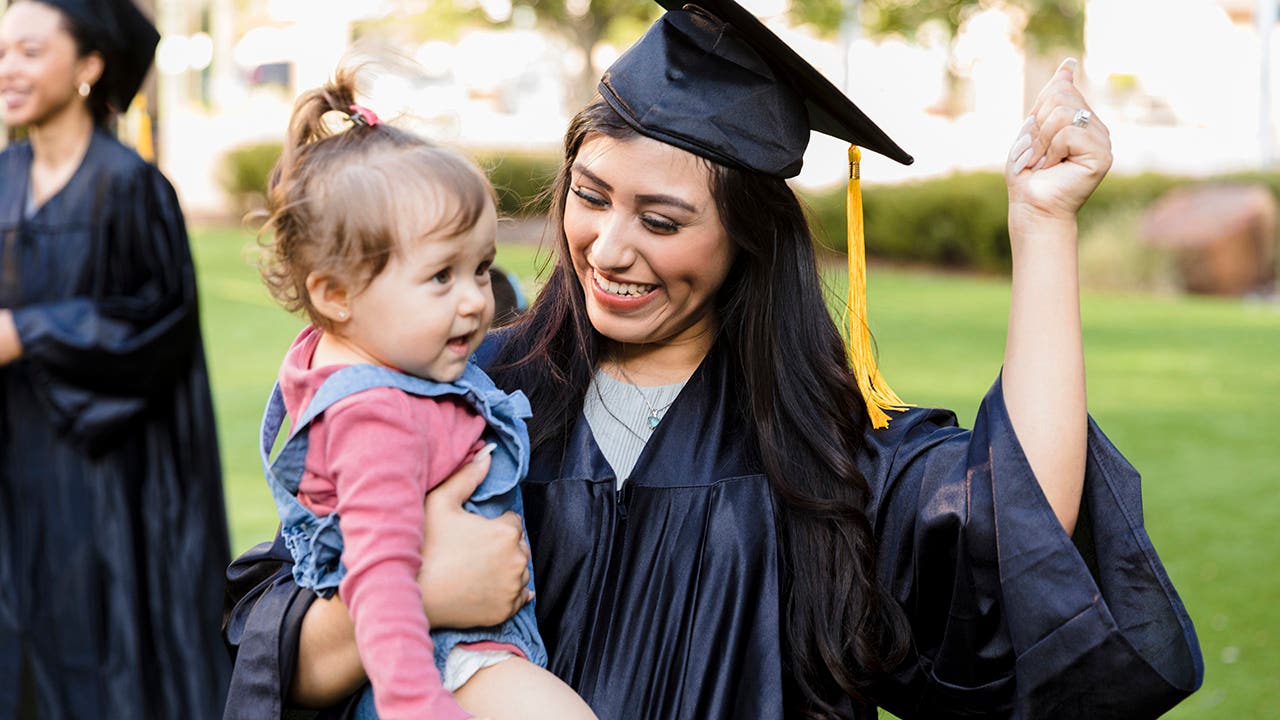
<point x="516" y="689"/>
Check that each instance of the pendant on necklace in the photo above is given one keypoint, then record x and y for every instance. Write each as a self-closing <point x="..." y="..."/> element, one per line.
<point x="653" y="420"/>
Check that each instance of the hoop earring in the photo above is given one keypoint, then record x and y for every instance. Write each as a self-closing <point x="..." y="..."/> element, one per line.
<point x="84" y="89"/>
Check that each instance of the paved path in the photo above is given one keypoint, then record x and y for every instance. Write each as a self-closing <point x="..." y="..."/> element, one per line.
<point x="521" y="231"/>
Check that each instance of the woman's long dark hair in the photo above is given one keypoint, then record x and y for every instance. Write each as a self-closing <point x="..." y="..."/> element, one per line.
<point x="840" y="628"/>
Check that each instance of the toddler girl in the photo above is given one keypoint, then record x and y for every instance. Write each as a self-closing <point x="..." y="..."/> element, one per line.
<point x="385" y="241"/>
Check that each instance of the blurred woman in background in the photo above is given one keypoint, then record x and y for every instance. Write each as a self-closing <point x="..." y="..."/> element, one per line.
<point x="112" y="531"/>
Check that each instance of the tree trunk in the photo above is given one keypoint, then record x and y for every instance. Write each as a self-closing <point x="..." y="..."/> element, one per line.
<point x="585" y="33"/>
<point x="955" y="96"/>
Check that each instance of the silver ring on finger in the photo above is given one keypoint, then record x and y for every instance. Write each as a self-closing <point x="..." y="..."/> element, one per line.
<point x="1082" y="118"/>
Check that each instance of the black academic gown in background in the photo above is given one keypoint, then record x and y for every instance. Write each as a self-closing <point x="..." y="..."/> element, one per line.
<point x="112" y="529"/>
<point x="661" y="601"/>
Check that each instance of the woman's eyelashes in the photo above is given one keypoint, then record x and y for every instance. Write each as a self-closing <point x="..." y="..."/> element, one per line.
<point x="659" y="224"/>
<point x="656" y="223"/>
<point x="589" y="197"/>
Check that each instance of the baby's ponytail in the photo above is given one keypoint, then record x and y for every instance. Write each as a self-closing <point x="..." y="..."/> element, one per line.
<point x="348" y="188"/>
<point x="311" y="122"/>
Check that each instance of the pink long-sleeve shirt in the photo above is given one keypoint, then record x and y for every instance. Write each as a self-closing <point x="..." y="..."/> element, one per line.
<point x="372" y="457"/>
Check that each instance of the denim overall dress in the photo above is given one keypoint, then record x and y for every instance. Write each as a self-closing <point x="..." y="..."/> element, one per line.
<point x="316" y="542"/>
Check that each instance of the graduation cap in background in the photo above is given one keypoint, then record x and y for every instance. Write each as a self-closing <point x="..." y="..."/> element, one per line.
<point x="124" y="36"/>
<point x="710" y="78"/>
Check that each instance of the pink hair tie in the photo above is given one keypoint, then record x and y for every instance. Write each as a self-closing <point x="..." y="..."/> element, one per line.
<point x="361" y="115"/>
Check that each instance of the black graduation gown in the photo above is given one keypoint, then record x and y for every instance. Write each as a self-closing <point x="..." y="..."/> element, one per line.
<point x="662" y="600"/>
<point x="112" y="529"/>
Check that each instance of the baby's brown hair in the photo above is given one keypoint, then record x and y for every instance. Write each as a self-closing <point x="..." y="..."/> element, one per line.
<point x="341" y="203"/>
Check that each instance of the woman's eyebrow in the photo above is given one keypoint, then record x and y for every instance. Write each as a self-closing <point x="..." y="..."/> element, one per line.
<point x="666" y="200"/>
<point x="578" y="168"/>
<point x="646" y="199"/>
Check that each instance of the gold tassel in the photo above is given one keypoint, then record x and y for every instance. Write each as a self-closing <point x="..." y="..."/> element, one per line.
<point x="877" y="394"/>
<point x="146" y="150"/>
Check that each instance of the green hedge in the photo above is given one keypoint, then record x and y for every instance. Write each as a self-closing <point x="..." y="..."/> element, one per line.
<point x="244" y="174"/>
<point x="957" y="221"/>
<point x="519" y="178"/>
<point x="1118" y="192"/>
<point x="961" y="220"/>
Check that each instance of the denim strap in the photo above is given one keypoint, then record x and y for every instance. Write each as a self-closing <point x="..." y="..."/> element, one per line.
<point x="316" y="542"/>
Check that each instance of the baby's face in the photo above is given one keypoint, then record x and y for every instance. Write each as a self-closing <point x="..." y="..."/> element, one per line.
<point x="430" y="307"/>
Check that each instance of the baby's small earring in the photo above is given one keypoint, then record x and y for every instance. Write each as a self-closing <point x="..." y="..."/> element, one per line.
<point x="342" y="314"/>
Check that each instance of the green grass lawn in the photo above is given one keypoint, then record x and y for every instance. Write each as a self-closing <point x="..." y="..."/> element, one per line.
<point x="1189" y="389"/>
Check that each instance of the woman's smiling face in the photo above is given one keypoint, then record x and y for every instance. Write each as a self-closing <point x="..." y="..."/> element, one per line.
<point x="646" y="241"/>
<point x="39" y="66"/>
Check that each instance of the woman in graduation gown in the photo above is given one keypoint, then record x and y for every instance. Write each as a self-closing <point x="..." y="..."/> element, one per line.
<point x="112" y="529"/>
<point x="782" y="539"/>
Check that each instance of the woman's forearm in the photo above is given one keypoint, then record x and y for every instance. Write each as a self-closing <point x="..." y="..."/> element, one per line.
<point x="1061" y="154"/>
<point x="329" y="667"/>
<point x="1043" y="376"/>
<point x="474" y="572"/>
<point x="10" y="343"/>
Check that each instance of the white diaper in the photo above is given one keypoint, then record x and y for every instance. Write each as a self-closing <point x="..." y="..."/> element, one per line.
<point x="464" y="662"/>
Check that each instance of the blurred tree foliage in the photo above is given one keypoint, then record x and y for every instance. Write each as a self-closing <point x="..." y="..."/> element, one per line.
<point x="1046" y="25"/>
<point x="1049" y="24"/>
<point x="587" y="22"/>
<point x="582" y="23"/>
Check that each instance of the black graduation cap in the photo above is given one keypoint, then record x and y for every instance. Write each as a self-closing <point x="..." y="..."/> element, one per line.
<point x="710" y="78"/>
<point x="124" y="36"/>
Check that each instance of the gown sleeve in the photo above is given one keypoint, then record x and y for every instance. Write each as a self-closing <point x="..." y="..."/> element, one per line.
<point x="1010" y="616"/>
<point x="261" y="624"/>
<point x="97" y="356"/>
